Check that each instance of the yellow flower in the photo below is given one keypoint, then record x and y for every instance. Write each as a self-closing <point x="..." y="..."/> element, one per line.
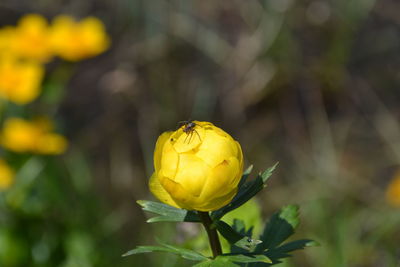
<point x="196" y="168"/>
<point x="74" y="40"/>
<point x="6" y="175"/>
<point x="31" y="38"/>
<point x="19" y="80"/>
<point x="36" y="137"/>
<point x="6" y="37"/>
<point x="393" y="192"/>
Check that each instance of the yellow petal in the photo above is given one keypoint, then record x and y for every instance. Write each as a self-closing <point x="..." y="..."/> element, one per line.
<point x="240" y="156"/>
<point x="192" y="173"/>
<point x="215" y="149"/>
<point x="93" y="33"/>
<point x="216" y="203"/>
<point x="222" y="180"/>
<point x="7" y="34"/>
<point x="20" y="80"/>
<point x="169" y="160"/>
<point x="51" y="144"/>
<point x="6" y="175"/>
<point x="159" y="148"/>
<point x="159" y="192"/>
<point x="32" y="38"/>
<point x="19" y="135"/>
<point x="393" y="192"/>
<point x="181" y="197"/>
<point x="186" y="141"/>
<point x="73" y="40"/>
<point x="204" y="124"/>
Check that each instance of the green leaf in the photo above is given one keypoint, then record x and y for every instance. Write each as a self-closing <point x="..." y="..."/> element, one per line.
<point x="279" y="228"/>
<point x="203" y="264"/>
<point x="168" y="213"/>
<point x="234" y="238"/>
<point x="246" y="192"/>
<point x="277" y="254"/>
<point x="247" y="214"/>
<point x="184" y="253"/>
<point x="282" y="251"/>
<point x="239" y="226"/>
<point x="229" y="260"/>
<point x="240" y="258"/>
<point x="146" y="249"/>
<point x="219" y="261"/>
<point x="245" y="175"/>
<point x="290" y="214"/>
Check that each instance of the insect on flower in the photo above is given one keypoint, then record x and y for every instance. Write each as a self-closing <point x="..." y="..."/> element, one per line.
<point x="189" y="128"/>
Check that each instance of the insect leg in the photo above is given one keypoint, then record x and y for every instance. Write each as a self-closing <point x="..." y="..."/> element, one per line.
<point x="190" y="136"/>
<point x="197" y="134"/>
<point x="184" y="141"/>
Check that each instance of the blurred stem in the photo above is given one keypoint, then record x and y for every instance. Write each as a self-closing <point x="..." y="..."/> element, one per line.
<point x="211" y="232"/>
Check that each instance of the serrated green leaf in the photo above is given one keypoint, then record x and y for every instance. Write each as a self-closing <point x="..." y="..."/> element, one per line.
<point x="240" y="258"/>
<point x="247" y="214"/>
<point x="267" y="173"/>
<point x="295" y="245"/>
<point x="250" y="215"/>
<point x="279" y="228"/>
<point x="203" y="264"/>
<point x="218" y="262"/>
<point x="239" y="226"/>
<point x="183" y="252"/>
<point x="146" y="249"/>
<point x="281" y="225"/>
<point x="281" y="252"/>
<point x="290" y="214"/>
<point x="234" y="238"/>
<point x="168" y="213"/>
<point x="186" y="253"/>
<point x="246" y="192"/>
<point x="245" y="175"/>
<point x="221" y="261"/>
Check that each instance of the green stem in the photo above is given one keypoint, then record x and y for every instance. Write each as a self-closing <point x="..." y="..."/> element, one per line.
<point x="211" y="232"/>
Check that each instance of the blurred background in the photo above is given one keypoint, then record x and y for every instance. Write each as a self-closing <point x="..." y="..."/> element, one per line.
<point x="313" y="84"/>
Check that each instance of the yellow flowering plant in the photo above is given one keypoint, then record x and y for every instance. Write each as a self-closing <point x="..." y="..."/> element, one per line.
<point x="198" y="175"/>
<point x="20" y="80"/>
<point x="187" y="175"/>
<point x="32" y="184"/>
<point x="392" y="193"/>
<point x="23" y="136"/>
<point x="31" y="39"/>
<point x="76" y="40"/>
<point x="25" y="48"/>
<point x="6" y="175"/>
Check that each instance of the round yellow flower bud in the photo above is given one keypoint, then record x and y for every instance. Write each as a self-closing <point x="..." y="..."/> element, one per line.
<point x="197" y="167"/>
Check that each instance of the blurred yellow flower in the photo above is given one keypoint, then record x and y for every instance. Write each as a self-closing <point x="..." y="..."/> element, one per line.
<point x="393" y="191"/>
<point x="20" y="81"/>
<point x="6" y="37"/>
<point x="74" y="40"/>
<point x="36" y="137"/>
<point x="31" y="38"/>
<point x="197" y="167"/>
<point x="6" y="175"/>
